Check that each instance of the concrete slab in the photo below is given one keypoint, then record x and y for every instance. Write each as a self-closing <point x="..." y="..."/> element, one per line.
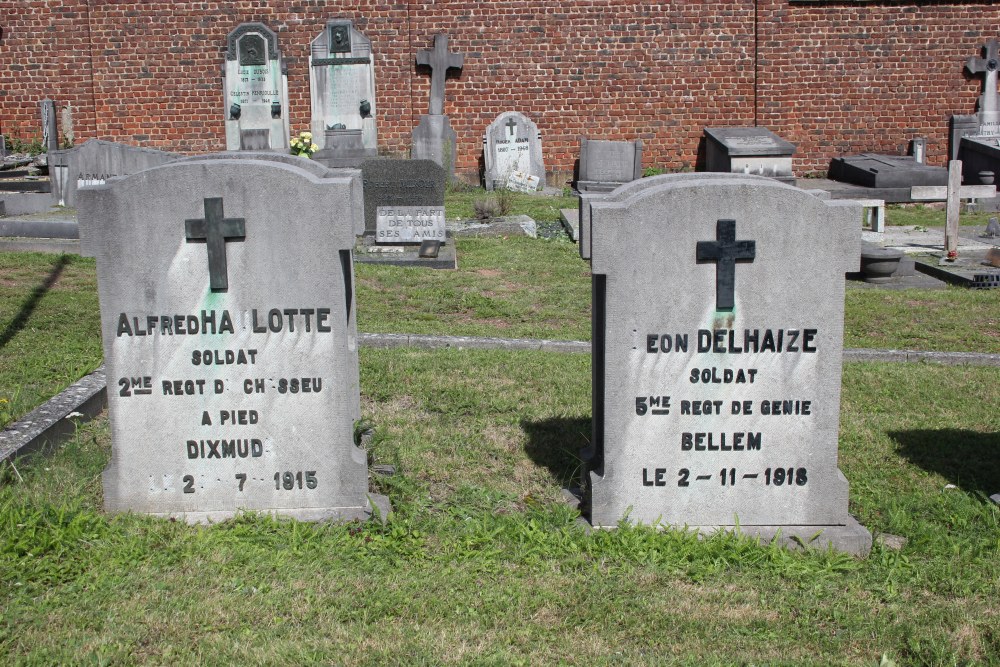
<point x="570" y="218"/>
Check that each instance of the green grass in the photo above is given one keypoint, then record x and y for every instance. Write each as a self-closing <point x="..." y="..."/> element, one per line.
<point x="511" y="288"/>
<point x="458" y="203"/>
<point x="481" y="564"/>
<point x="926" y="216"/>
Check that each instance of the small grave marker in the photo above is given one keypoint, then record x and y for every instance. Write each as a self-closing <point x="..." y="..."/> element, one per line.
<point x="512" y="144"/>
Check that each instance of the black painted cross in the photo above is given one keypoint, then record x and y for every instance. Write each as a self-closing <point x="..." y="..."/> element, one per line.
<point x="989" y="109"/>
<point x="215" y="230"/>
<point x="440" y="61"/>
<point x="511" y="126"/>
<point x="725" y="251"/>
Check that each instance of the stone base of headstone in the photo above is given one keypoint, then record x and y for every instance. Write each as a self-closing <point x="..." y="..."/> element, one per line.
<point x="404" y="255"/>
<point x="378" y="506"/>
<point x="343" y="148"/>
<point x="969" y="270"/>
<point x="851" y="538"/>
<point x="255" y="140"/>
<point x="434" y="139"/>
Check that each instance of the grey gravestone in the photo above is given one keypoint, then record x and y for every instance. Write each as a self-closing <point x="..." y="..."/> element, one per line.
<point x="989" y="108"/>
<point x="50" y="131"/>
<point x="256" y="90"/>
<point x="228" y="320"/>
<point x="97" y="161"/>
<point x="3" y="146"/>
<point x="717" y="343"/>
<point x="512" y="144"/>
<point x="749" y="150"/>
<point x="604" y="165"/>
<point x="433" y="138"/>
<point x="871" y="170"/>
<point x="342" y="93"/>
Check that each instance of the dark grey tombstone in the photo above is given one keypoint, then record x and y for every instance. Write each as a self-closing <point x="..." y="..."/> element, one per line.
<point x="256" y="90"/>
<point x="871" y="170"/>
<point x="433" y="138"/>
<point x="230" y="339"/>
<point x="97" y="161"/>
<point x="749" y="150"/>
<point x="389" y="182"/>
<point x="604" y="165"/>
<point x="50" y="131"/>
<point x="717" y="358"/>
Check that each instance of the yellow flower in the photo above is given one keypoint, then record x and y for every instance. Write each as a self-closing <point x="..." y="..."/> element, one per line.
<point x="307" y="135"/>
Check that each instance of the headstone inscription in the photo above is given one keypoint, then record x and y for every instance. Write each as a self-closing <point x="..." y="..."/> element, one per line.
<point x="604" y="165"/>
<point x="433" y="138"/>
<point x="717" y="342"/>
<point x="749" y="150"/>
<point x="342" y="95"/>
<point x="512" y="144"/>
<point x="256" y="90"/>
<point x="228" y="321"/>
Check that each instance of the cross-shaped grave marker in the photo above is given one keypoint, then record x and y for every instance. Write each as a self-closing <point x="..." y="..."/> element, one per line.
<point x="440" y="61"/>
<point x="725" y="251"/>
<point x="215" y="229"/>
<point x="511" y="127"/>
<point x="989" y="109"/>
<point x="953" y="194"/>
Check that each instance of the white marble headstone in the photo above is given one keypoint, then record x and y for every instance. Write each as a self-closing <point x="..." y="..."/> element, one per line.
<point x="256" y="89"/>
<point x="342" y="83"/>
<point x="512" y="145"/>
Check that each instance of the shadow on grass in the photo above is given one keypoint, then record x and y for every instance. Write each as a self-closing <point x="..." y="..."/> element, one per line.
<point x="28" y="307"/>
<point x="555" y="443"/>
<point x="967" y="459"/>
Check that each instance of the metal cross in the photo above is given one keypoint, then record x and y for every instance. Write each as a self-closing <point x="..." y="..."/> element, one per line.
<point x="215" y="230"/>
<point x="725" y="251"/>
<point x="440" y="61"/>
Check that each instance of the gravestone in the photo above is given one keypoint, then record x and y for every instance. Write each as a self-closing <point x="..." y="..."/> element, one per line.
<point x="989" y="107"/>
<point x="404" y="209"/>
<point x="872" y="170"/>
<point x="604" y="165"/>
<point x="228" y="320"/>
<point x="512" y="144"/>
<point x="342" y="95"/>
<point x="97" y="161"/>
<point x="256" y="90"/>
<point x="50" y="131"/>
<point x="979" y="151"/>
<point x="717" y="343"/>
<point x="433" y="138"/>
<point x="749" y="150"/>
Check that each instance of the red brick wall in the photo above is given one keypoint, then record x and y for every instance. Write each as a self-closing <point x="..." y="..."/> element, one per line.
<point x="832" y="78"/>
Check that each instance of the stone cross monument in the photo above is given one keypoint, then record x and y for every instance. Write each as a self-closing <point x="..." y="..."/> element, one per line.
<point x="440" y="60"/>
<point x="989" y="109"/>
<point x="433" y="139"/>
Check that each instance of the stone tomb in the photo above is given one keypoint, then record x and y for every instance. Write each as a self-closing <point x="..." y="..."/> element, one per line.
<point x="228" y="321"/>
<point x="749" y="150"/>
<point x="97" y="161"/>
<point x="604" y="165"/>
<point x="342" y="94"/>
<point x="256" y="90"/>
<point x="433" y="138"/>
<point x="512" y="144"/>
<point x="717" y="343"/>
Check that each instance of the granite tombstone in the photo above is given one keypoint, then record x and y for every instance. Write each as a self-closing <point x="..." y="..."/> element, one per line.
<point x="256" y="90"/>
<point x="342" y="95"/>
<point x="604" y="165"/>
<point x="97" y="161"/>
<point x="228" y="321"/>
<point x="512" y="144"/>
<point x="433" y="138"/>
<point x="749" y="150"/>
<point x="717" y="343"/>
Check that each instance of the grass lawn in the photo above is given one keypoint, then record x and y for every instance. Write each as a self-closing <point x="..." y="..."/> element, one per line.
<point x="926" y="216"/>
<point x="481" y="563"/>
<point x="512" y="288"/>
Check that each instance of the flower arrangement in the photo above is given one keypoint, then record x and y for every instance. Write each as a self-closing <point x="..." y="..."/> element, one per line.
<point x="303" y="145"/>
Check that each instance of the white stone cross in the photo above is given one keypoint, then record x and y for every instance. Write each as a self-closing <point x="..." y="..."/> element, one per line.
<point x="989" y="109"/>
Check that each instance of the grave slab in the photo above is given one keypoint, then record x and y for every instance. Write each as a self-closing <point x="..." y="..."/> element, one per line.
<point x="717" y="356"/>
<point x="230" y="340"/>
<point x="871" y="170"/>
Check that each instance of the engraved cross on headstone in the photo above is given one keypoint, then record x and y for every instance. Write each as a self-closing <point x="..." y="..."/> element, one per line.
<point x="215" y="230"/>
<point x="511" y="127"/>
<point x="440" y="61"/>
<point x="725" y="251"/>
<point x="989" y="109"/>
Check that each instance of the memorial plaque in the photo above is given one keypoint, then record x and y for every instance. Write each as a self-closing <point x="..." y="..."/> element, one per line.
<point x="256" y="90"/>
<point x="410" y="224"/>
<point x="512" y="144"/>
<point x="391" y="185"/>
<point x="718" y="341"/>
<point x="228" y="322"/>
<point x="342" y="84"/>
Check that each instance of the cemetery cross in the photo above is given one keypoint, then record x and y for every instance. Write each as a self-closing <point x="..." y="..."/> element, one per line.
<point x="989" y="113"/>
<point x="215" y="229"/>
<point x="725" y="251"/>
<point x="440" y="61"/>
